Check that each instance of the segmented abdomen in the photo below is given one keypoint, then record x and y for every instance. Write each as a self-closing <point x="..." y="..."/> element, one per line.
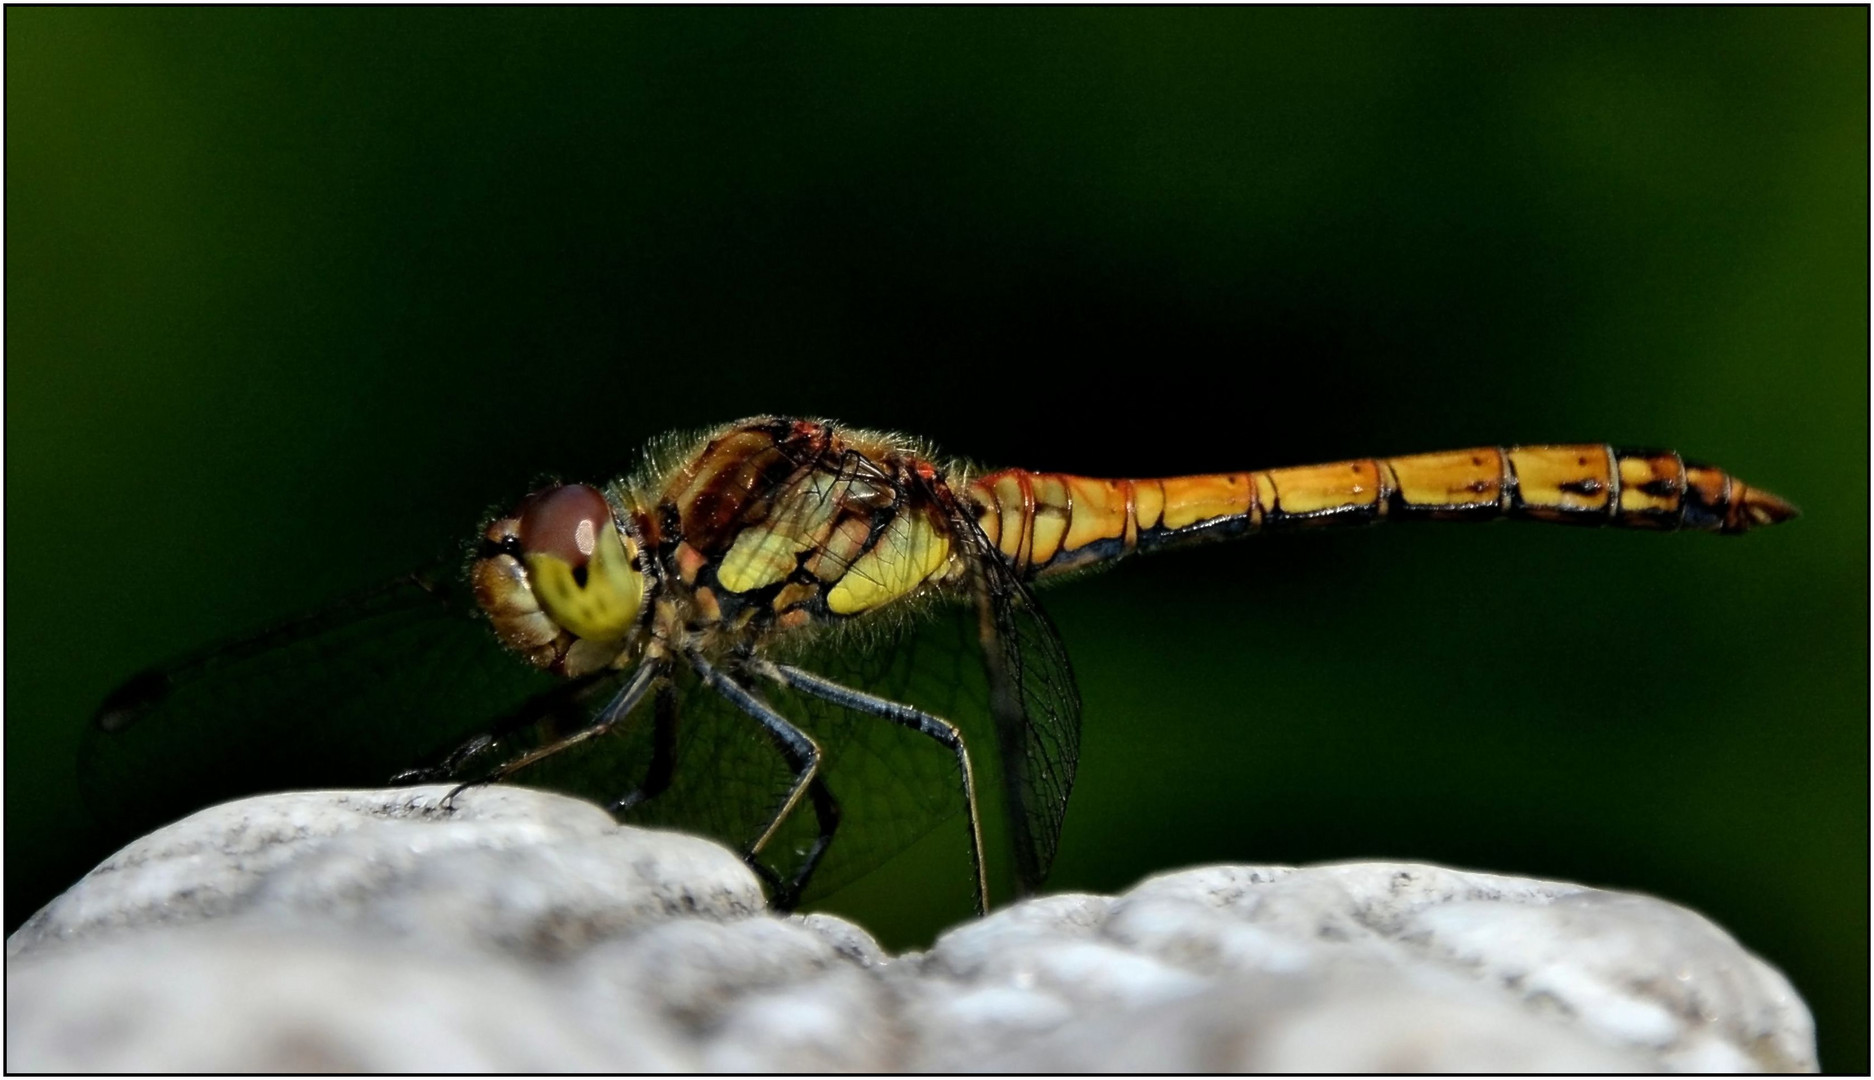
<point x="1053" y="522"/>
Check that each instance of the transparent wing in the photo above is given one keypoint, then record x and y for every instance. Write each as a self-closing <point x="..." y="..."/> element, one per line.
<point x="894" y="784"/>
<point x="347" y="696"/>
<point x="1035" y="704"/>
<point x="408" y="675"/>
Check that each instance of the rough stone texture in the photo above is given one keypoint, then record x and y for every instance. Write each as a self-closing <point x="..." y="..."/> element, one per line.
<point x="505" y="867"/>
<point x="196" y="1001"/>
<point x="522" y="931"/>
<point x="1356" y="967"/>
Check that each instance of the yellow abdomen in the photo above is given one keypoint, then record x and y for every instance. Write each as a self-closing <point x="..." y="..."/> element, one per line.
<point x="1052" y="522"/>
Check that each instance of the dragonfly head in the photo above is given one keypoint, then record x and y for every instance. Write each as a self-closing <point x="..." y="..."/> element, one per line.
<point x="558" y="575"/>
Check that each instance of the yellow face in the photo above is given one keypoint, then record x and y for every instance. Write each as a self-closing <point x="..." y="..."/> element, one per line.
<point x="560" y="566"/>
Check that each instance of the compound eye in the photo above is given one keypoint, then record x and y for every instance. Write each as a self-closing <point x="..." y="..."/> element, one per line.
<point x="577" y="564"/>
<point x="564" y="522"/>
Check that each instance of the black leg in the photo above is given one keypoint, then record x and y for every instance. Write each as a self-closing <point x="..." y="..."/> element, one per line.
<point x="826" y="813"/>
<point x="802" y="755"/>
<point x="450" y="767"/>
<point x="551" y="705"/>
<point x="620" y="707"/>
<point x="663" y="752"/>
<point x="917" y="720"/>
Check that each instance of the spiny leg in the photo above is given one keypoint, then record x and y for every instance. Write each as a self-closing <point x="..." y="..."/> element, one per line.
<point x="449" y="767"/>
<point x="802" y="755"/>
<point x="917" y="720"/>
<point x="620" y="707"/>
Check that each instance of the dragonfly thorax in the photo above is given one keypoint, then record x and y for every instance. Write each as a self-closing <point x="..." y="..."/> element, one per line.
<point x="778" y="525"/>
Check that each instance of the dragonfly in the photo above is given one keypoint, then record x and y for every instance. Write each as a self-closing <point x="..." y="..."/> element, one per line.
<point x="816" y="643"/>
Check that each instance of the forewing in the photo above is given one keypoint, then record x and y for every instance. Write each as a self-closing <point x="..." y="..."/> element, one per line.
<point x="407" y="675"/>
<point x="348" y="696"/>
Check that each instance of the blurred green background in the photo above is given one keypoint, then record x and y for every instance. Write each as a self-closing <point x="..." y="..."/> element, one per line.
<point x="293" y="294"/>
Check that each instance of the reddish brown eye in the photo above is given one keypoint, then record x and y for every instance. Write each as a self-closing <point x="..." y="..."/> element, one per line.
<point x="564" y="522"/>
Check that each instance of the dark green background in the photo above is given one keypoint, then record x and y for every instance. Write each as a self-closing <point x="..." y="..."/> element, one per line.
<point x="293" y="294"/>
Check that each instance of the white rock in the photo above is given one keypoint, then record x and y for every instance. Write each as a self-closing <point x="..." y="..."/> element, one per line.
<point x="838" y="1021"/>
<point x="207" y="1000"/>
<point x="846" y="938"/>
<point x="994" y="945"/>
<point x="503" y="867"/>
<point x="692" y="969"/>
<point x="1633" y="969"/>
<point x="1369" y="1021"/>
<point x="526" y="932"/>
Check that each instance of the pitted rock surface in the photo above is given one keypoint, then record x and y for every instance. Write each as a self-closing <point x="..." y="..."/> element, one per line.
<point x="523" y="931"/>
